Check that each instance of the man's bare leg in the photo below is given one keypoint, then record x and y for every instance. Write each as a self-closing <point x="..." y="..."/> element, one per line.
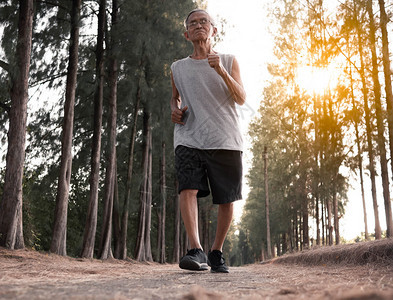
<point x="189" y="213"/>
<point x="195" y="259"/>
<point x="224" y="219"/>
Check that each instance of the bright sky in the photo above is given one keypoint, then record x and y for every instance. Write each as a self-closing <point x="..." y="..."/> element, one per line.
<point x="247" y="37"/>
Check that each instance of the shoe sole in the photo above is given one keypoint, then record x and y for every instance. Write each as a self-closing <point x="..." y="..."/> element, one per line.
<point x="193" y="265"/>
<point x="219" y="271"/>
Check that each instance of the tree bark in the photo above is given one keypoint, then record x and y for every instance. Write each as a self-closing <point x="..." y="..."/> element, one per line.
<point x="127" y="198"/>
<point x="316" y="171"/>
<point x="124" y="218"/>
<point x="58" y="244"/>
<point x="323" y="226"/>
<point x="303" y="193"/>
<point x="110" y="178"/>
<point x="91" y="218"/>
<point x="329" y="221"/>
<point x="296" y="231"/>
<point x="335" y="220"/>
<point x="268" y="242"/>
<point x="149" y="197"/>
<point x="140" y="252"/>
<point x="317" y="219"/>
<point x="116" y="219"/>
<point x="176" y="243"/>
<point x="11" y="230"/>
<point x="326" y="178"/>
<point x="335" y="171"/>
<point x="369" y="136"/>
<point x="162" y="256"/>
<point x="379" y="116"/>
<point x="359" y="156"/>
<point x="389" y="101"/>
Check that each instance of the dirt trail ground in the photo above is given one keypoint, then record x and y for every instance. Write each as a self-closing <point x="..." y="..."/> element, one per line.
<point x="26" y="274"/>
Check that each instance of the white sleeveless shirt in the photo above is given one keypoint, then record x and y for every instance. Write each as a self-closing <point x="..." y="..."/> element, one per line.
<point x="211" y="121"/>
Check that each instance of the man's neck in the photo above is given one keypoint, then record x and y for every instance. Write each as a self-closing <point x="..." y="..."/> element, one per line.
<point x="202" y="50"/>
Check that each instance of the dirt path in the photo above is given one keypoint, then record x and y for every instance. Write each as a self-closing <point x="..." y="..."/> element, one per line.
<point x="31" y="275"/>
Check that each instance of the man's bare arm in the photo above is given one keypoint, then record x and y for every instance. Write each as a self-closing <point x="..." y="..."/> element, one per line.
<point x="233" y="80"/>
<point x="177" y="113"/>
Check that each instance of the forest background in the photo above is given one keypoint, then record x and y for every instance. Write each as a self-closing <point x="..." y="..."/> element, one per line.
<point x="96" y="176"/>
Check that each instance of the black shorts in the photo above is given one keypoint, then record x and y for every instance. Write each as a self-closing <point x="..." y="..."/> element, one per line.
<point x="221" y="169"/>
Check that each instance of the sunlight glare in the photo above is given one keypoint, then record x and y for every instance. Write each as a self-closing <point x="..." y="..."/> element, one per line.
<point x="315" y="80"/>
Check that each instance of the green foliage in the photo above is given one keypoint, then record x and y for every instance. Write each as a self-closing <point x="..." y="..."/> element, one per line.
<point x="304" y="133"/>
<point x="150" y="39"/>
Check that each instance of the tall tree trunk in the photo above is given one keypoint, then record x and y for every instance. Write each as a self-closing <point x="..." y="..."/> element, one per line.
<point x="326" y="177"/>
<point x="317" y="220"/>
<point x="369" y="135"/>
<point x="335" y="211"/>
<point x="379" y="116"/>
<point x="124" y="218"/>
<point x="389" y="100"/>
<point x="329" y="235"/>
<point x="359" y="156"/>
<point x="105" y="249"/>
<point x="323" y="222"/>
<point x="161" y="256"/>
<point x="58" y="244"/>
<point x="140" y="241"/>
<point x="303" y="194"/>
<point x="306" y="238"/>
<point x="110" y="177"/>
<point x="316" y="176"/>
<point x="269" y="245"/>
<point x="296" y="231"/>
<point x="159" y="233"/>
<point x="149" y="197"/>
<point x="176" y="243"/>
<point x="91" y="218"/>
<point x="116" y="219"/>
<point x="335" y="171"/>
<point x="11" y="229"/>
<point x="301" y="229"/>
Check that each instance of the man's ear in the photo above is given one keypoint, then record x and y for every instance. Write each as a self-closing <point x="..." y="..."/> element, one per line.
<point x="215" y="30"/>
<point x="186" y="35"/>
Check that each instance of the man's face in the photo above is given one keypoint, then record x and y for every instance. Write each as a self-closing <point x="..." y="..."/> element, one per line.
<point x="199" y="27"/>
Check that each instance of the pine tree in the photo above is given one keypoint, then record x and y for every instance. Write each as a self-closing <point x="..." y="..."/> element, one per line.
<point x="58" y="244"/>
<point x="11" y="227"/>
<point x="91" y="220"/>
<point x="389" y="101"/>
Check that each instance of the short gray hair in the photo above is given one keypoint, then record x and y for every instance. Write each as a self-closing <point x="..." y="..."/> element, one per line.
<point x="198" y="10"/>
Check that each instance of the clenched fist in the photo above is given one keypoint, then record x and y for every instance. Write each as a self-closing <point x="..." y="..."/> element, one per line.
<point x="178" y="115"/>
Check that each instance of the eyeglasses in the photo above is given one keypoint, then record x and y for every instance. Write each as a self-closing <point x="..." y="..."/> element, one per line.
<point x="195" y="23"/>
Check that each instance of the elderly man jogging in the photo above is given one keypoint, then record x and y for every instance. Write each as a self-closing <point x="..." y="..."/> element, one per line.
<point x="206" y="87"/>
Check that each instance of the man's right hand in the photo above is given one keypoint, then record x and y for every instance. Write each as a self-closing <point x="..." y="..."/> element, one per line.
<point x="178" y="115"/>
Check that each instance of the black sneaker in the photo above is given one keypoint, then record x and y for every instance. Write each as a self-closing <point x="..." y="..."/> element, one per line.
<point x="194" y="260"/>
<point x="217" y="262"/>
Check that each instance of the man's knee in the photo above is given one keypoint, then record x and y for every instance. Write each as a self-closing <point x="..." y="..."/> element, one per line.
<point x="188" y="194"/>
<point x="226" y="206"/>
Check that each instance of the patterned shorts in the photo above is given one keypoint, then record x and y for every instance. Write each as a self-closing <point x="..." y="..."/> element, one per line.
<point x="218" y="171"/>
